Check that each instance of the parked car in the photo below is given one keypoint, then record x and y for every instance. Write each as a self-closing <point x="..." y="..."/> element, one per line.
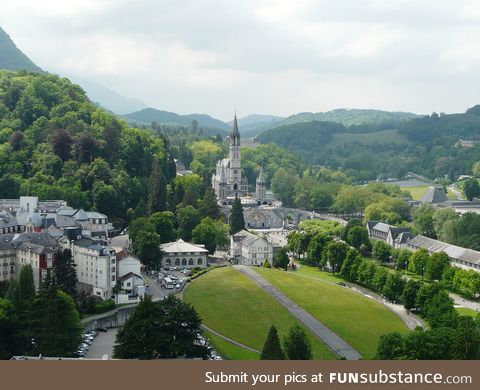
<point x="102" y="329"/>
<point x="173" y="268"/>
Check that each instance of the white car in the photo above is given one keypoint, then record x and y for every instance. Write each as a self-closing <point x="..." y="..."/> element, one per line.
<point x="173" y="268"/>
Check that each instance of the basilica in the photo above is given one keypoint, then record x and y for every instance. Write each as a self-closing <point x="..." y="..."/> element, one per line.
<point x="228" y="181"/>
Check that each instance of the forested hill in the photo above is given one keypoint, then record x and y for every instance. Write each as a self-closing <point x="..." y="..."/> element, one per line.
<point x="444" y="128"/>
<point x="350" y="117"/>
<point x="56" y="144"/>
<point x="12" y="58"/>
<point x="149" y="115"/>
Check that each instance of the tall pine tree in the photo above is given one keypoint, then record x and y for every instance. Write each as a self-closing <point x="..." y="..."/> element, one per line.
<point x="209" y="206"/>
<point x="157" y="189"/>
<point x="297" y="345"/>
<point x="237" y="221"/>
<point x="66" y="273"/>
<point x="272" y="350"/>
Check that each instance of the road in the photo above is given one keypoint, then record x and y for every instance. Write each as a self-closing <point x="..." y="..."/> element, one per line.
<point x="459" y="301"/>
<point x="335" y="342"/>
<point x="102" y="345"/>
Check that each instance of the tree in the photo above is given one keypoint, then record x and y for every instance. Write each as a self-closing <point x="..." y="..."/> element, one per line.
<point x="418" y="262"/>
<point x="208" y="205"/>
<point x="272" y="349"/>
<point x="9" y="336"/>
<point x="390" y="347"/>
<point x="354" y="222"/>
<point x="280" y="259"/>
<point x="358" y="236"/>
<point x="157" y="189"/>
<point x="409" y="294"/>
<point x="402" y="257"/>
<point x="297" y="346"/>
<point x="393" y="287"/>
<point x="147" y="247"/>
<point x="62" y="143"/>
<point x="164" y="329"/>
<point x="471" y="189"/>
<point x="188" y="218"/>
<point x="423" y="220"/>
<point x="211" y="233"/>
<point x="53" y="324"/>
<point x="283" y="186"/>
<point x="316" y="247"/>
<point x="350" y="265"/>
<point x="164" y="223"/>
<point x="335" y="253"/>
<point x="466" y="339"/>
<point x="381" y="251"/>
<point x="65" y="272"/>
<point x="440" y="311"/>
<point x="26" y="285"/>
<point x="436" y="265"/>
<point x="237" y="221"/>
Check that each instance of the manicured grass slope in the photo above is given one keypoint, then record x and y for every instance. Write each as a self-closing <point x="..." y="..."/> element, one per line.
<point x="230" y="350"/>
<point x="236" y="307"/>
<point x="359" y="320"/>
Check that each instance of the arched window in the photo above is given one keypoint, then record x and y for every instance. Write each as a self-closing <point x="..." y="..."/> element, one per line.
<point x="190" y="261"/>
<point x="200" y="262"/>
<point x="184" y="261"/>
<point x="168" y="262"/>
<point x="177" y="261"/>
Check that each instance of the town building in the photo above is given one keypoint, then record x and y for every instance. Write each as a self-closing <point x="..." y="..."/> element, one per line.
<point x="460" y="257"/>
<point x="250" y="249"/>
<point x="96" y="265"/>
<point x="8" y="257"/>
<point x="181" y="254"/>
<point x="392" y="235"/>
<point x="9" y="223"/>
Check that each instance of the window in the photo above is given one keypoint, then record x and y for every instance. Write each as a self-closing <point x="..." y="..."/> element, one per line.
<point x="177" y="261"/>
<point x="200" y="262"/>
<point x="129" y="284"/>
<point x="168" y="262"/>
<point x="184" y="261"/>
<point x="190" y="261"/>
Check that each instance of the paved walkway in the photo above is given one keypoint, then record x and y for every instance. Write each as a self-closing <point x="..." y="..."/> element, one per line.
<point x="459" y="301"/>
<point x="336" y="343"/>
<point x="229" y="339"/>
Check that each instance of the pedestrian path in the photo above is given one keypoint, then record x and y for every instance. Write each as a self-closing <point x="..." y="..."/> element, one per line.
<point x="335" y="342"/>
<point x="229" y="339"/>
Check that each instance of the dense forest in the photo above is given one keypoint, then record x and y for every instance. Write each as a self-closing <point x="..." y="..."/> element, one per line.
<point x="424" y="145"/>
<point x="56" y="144"/>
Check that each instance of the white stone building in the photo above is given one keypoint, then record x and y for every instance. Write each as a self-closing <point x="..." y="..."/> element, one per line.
<point x="181" y="254"/>
<point x="250" y="249"/>
<point x="96" y="266"/>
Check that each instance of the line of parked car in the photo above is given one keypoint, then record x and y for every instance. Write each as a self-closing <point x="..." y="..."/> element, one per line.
<point x="88" y="338"/>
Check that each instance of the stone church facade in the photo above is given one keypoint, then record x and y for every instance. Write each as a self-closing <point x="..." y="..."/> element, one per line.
<point x="228" y="181"/>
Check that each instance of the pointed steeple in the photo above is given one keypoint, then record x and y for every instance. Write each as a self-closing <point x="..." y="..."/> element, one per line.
<point x="235" y="134"/>
<point x="223" y="178"/>
<point x="261" y="177"/>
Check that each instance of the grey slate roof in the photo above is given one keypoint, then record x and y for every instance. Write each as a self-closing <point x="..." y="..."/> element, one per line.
<point x="44" y="239"/>
<point x="39" y="249"/>
<point x="6" y="241"/>
<point x="434" y="195"/>
<point x="454" y="252"/>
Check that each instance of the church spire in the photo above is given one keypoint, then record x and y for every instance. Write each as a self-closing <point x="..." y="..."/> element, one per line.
<point x="235" y="135"/>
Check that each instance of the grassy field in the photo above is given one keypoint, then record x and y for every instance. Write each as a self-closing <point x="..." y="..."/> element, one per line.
<point x="229" y="350"/>
<point x="416" y="192"/>
<point x="236" y="307"/>
<point x="359" y="320"/>
<point x="381" y="137"/>
<point x="465" y="311"/>
<point x="315" y="272"/>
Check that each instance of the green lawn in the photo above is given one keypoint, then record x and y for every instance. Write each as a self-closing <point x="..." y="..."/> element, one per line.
<point x="359" y="320"/>
<point x="236" y="307"/>
<point x="315" y="272"/>
<point x="417" y="192"/>
<point x="465" y="311"/>
<point x="230" y="350"/>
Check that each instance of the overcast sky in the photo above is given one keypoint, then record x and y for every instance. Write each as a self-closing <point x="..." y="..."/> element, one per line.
<point x="261" y="56"/>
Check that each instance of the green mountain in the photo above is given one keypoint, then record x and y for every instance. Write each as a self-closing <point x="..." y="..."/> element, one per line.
<point x="252" y="125"/>
<point x="149" y="115"/>
<point x="12" y="58"/>
<point x="56" y="144"/>
<point x="350" y="117"/>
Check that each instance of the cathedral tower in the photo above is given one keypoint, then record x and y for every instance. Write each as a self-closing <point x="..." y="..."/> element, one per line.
<point x="235" y="179"/>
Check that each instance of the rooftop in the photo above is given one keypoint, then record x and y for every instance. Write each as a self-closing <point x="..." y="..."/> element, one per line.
<point x="181" y="246"/>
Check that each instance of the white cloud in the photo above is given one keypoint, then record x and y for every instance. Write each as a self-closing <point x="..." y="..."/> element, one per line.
<point x="277" y="56"/>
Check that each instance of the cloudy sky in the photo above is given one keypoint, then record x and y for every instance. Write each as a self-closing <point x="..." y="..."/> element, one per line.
<point x="261" y="56"/>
